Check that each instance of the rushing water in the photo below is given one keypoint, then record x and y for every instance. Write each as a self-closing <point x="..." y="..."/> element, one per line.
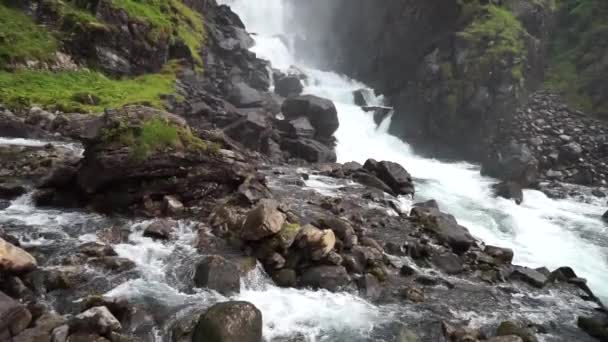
<point x="542" y="231"/>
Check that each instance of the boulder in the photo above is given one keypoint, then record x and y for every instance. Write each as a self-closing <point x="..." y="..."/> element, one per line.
<point x="605" y="217"/>
<point x="244" y="96"/>
<point x="514" y="162"/>
<point x="342" y="229"/>
<point x="372" y="181"/>
<point x="502" y="255"/>
<point x="97" y="319"/>
<point x="96" y="249"/>
<point x="315" y="243"/>
<point x="508" y="338"/>
<point x="528" y="275"/>
<point x="449" y="263"/>
<point x="14" y="259"/>
<point x="393" y="175"/>
<point x="321" y="112"/>
<point x="596" y="327"/>
<point x="509" y="328"/>
<point x="331" y="278"/>
<point x="288" y="86"/>
<point x="297" y="128"/>
<point x="250" y="130"/>
<point x="216" y="273"/>
<point x="82" y="336"/>
<point x="509" y="190"/>
<point x="14" y="317"/>
<point x="229" y="322"/>
<point x="42" y="329"/>
<point x="10" y="191"/>
<point x="310" y="150"/>
<point x="172" y="206"/>
<point x="362" y="97"/>
<point x="285" y="278"/>
<point x="160" y="229"/>
<point x="264" y="220"/>
<point x="445" y="227"/>
<point x="379" y="113"/>
<point x="369" y="287"/>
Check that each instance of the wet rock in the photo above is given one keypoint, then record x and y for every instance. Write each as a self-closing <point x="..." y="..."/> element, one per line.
<point x="353" y="264"/>
<point x="263" y="221"/>
<point x="342" y="229"/>
<point x="367" y="256"/>
<point x="11" y="190"/>
<point x="407" y="270"/>
<point x="298" y="128"/>
<point x="508" y="338"/>
<point x="605" y="217"/>
<point x="14" y="259"/>
<point x="97" y="319"/>
<point x="60" y="334"/>
<point x="372" y="181"/>
<point x="172" y="206"/>
<point x="114" y="263"/>
<point x="514" y="162"/>
<point x="369" y="287"/>
<point x="160" y="229"/>
<point x="315" y="243"/>
<point x="285" y="278"/>
<point x="321" y="112"/>
<point x="508" y="328"/>
<point x="363" y="96"/>
<point x="86" y="337"/>
<point x="64" y="277"/>
<point x="594" y="326"/>
<point x="503" y="255"/>
<point x="42" y="329"/>
<point x="393" y="175"/>
<point x="529" y="276"/>
<point x="244" y="96"/>
<point x="413" y="294"/>
<point x="14" y="317"/>
<point x="570" y="153"/>
<point x="428" y="204"/>
<point x="331" y="278"/>
<point x="509" y="190"/>
<point x="446" y="228"/>
<point x="449" y="263"/>
<point x="230" y="322"/>
<point x="288" y="86"/>
<point x="96" y="249"/>
<point x="380" y="113"/>
<point x="310" y="150"/>
<point x="219" y="274"/>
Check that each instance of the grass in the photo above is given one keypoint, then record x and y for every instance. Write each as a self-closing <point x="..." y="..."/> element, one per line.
<point x="154" y="135"/>
<point x="22" y="39"/>
<point x="83" y="90"/>
<point x="577" y="51"/>
<point x="169" y="19"/>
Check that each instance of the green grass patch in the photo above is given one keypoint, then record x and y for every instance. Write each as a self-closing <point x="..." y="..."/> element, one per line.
<point x="155" y="135"/>
<point x="170" y="19"/>
<point x="22" y="39"/>
<point x="83" y="90"/>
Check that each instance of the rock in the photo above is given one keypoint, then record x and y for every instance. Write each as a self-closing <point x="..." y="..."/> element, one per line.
<point x="288" y="86"/>
<point x="508" y="338"/>
<point x="60" y="334"/>
<point x="252" y="130"/>
<point x="96" y="249"/>
<point x="502" y="255"/>
<point x="114" y="263"/>
<point x="14" y="317"/>
<point x="298" y="128"/>
<point x="160" y="229"/>
<point x="285" y="278"/>
<point x="508" y="328"/>
<point x="315" y="243"/>
<point x="445" y="227"/>
<point x="605" y="217"/>
<point x="97" y="319"/>
<point x="243" y="96"/>
<point x="449" y="263"/>
<point x="369" y="287"/>
<point x="219" y="274"/>
<point x="82" y="336"/>
<point x="10" y="191"/>
<point x="310" y="150"/>
<point x="370" y="180"/>
<point x="342" y="229"/>
<point x="509" y="190"/>
<point x="368" y="256"/>
<point x="380" y="113"/>
<point x="427" y="204"/>
<point x="363" y="97"/>
<point x="230" y="322"/>
<point x="172" y="206"/>
<point x="595" y="327"/>
<point x="321" y="112"/>
<point x="42" y="329"/>
<point x="14" y="259"/>
<point x="569" y="153"/>
<point x="64" y="277"/>
<point x="515" y="163"/>
<point x="413" y="294"/>
<point x="331" y="278"/>
<point x="529" y="276"/>
<point x="265" y="220"/>
<point x="393" y="175"/>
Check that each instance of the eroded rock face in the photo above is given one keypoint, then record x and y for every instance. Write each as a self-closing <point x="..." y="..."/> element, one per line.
<point x="230" y="322"/>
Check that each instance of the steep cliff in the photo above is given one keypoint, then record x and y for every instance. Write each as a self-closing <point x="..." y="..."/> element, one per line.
<point x="451" y="69"/>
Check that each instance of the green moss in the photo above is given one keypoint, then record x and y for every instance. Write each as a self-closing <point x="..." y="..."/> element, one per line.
<point x="154" y="135"/>
<point x="577" y="53"/>
<point x="170" y="19"/>
<point x="66" y="90"/>
<point x="22" y="39"/>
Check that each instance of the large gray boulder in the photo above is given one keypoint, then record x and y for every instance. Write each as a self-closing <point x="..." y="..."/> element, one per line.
<point x="332" y="278"/>
<point x="445" y="227"/>
<point x="264" y="220"/>
<point x="14" y="259"/>
<point x="216" y="273"/>
<point x="513" y="162"/>
<point x="14" y="317"/>
<point x="321" y="112"/>
<point x="230" y="322"/>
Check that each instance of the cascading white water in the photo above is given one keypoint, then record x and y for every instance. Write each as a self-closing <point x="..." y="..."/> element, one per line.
<point x="542" y="231"/>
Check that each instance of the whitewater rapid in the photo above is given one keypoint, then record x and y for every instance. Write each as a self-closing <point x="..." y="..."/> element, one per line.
<point x="542" y="231"/>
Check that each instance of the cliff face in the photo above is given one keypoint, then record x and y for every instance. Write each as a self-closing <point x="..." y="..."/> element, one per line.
<point x="451" y="69"/>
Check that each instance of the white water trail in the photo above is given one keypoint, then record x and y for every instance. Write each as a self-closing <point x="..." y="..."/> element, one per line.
<point x="542" y="231"/>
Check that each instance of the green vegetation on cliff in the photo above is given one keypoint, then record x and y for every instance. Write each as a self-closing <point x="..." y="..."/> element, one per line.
<point x="579" y="54"/>
<point x="82" y="90"/>
<point x="22" y="39"/>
